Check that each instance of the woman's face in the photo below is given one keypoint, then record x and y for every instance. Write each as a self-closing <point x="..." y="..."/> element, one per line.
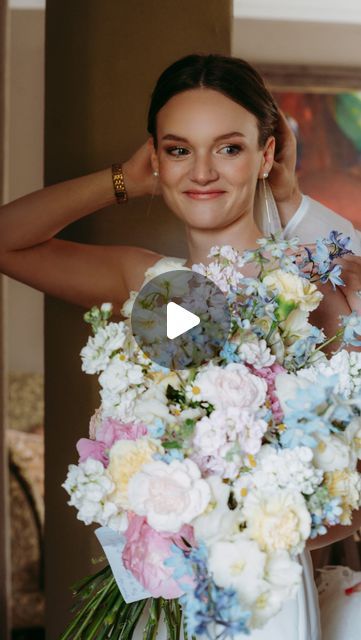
<point x="208" y="158"/>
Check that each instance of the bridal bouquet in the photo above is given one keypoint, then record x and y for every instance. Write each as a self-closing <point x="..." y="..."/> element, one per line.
<point x="208" y="481"/>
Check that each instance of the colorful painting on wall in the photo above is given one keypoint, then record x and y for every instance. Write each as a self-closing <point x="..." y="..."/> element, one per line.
<point x="328" y="131"/>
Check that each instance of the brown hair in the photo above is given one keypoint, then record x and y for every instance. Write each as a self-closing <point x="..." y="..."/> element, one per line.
<point x="233" y="77"/>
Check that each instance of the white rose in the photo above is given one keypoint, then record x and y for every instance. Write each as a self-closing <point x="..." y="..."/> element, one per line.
<point x="169" y="495"/>
<point x="232" y="385"/>
<point x="333" y="453"/>
<point x="277" y="519"/>
<point x="257" y="354"/>
<point x="128" y="305"/>
<point x="163" y="265"/>
<point x="152" y="404"/>
<point x="283" y="576"/>
<point x="239" y="563"/>
<point x="218" y="520"/>
<point x="292" y="288"/>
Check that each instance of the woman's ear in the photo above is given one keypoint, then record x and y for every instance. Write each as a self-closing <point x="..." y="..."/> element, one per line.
<point x="267" y="156"/>
<point x="153" y="155"/>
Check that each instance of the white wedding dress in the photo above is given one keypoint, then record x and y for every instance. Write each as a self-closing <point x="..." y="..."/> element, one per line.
<point x="299" y="618"/>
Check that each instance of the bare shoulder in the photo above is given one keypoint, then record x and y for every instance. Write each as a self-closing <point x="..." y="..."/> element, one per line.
<point x="134" y="262"/>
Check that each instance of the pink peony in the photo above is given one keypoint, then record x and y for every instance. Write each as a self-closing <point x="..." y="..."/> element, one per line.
<point x="112" y="430"/>
<point x="108" y="432"/>
<point x="144" y="554"/>
<point x="92" y="449"/>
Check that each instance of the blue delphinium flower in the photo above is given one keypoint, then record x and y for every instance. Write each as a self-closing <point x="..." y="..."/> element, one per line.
<point x="325" y="511"/>
<point x="339" y="244"/>
<point x="206" y="606"/>
<point x="157" y="429"/>
<point x="229" y="352"/>
<point x="352" y="329"/>
<point x="310" y="412"/>
<point x="321" y="257"/>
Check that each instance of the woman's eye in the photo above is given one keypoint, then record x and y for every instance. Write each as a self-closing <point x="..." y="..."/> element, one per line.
<point x="231" y="150"/>
<point x="177" y="151"/>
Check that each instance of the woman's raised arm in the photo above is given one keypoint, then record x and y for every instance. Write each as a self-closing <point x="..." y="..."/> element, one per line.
<point x="83" y="274"/>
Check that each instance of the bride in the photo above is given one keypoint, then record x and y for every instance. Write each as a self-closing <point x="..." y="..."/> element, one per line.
<point x="216" y="136"/>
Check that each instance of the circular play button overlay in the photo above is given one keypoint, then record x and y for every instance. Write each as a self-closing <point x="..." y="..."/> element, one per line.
<point x="180" y="319"/>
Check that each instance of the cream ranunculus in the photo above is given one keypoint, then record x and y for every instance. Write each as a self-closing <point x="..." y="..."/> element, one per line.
<point x="169" y="495"/>
<point x="293" y="288"/>
<point x="346" y="485"/>
<point x="126" y="458"/>
<point x="277" y="519"/>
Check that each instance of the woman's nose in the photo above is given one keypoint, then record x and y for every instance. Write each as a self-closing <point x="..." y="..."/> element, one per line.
<point x="203" y="170"/>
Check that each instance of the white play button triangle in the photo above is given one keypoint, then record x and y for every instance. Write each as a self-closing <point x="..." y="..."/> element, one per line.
<point x="179" y="320"/>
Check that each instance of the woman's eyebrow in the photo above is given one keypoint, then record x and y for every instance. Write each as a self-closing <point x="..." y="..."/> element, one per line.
<point x="231" y="134"/>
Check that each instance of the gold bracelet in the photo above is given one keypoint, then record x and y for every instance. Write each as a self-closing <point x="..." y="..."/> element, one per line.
<point x="119" y="184"/>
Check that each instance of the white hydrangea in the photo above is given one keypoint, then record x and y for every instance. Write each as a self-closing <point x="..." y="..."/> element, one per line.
<point x="120" y="374"/>
<point x="257" y="354"/>
<point x="89" y="487"/>
<point x="346" y="365"/>
<point x="100" y="347"/>
<point x="280" y="469"/>
<point x="169" y="495"/>
<point x="120" y="406"/>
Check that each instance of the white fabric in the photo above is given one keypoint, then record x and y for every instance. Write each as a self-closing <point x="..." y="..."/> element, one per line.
<point x="313" y="220"/>
<point x="340" y="614"/>
<point x="297" y="620"/>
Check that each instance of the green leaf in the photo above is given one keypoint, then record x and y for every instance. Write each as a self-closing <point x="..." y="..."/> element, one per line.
<point x="172" y="444"/>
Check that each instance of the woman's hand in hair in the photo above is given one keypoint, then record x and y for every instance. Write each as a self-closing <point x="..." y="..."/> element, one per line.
<point x="138" y="173"/>
<point x="282" y="178"/>
<point x="351" y="275"/>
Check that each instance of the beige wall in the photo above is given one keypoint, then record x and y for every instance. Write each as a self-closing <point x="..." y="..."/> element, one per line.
<point x="102" y="61"/>
<point x="24" y="173"/>
<point x="297" y="42"/>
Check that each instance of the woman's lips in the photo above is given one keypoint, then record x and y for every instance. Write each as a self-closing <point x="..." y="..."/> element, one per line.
<point x="203" y="195"/>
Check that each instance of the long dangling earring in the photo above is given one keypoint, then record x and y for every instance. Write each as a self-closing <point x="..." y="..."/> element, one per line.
<point x="265" y="208"/>
<point x="156" y="175"/>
